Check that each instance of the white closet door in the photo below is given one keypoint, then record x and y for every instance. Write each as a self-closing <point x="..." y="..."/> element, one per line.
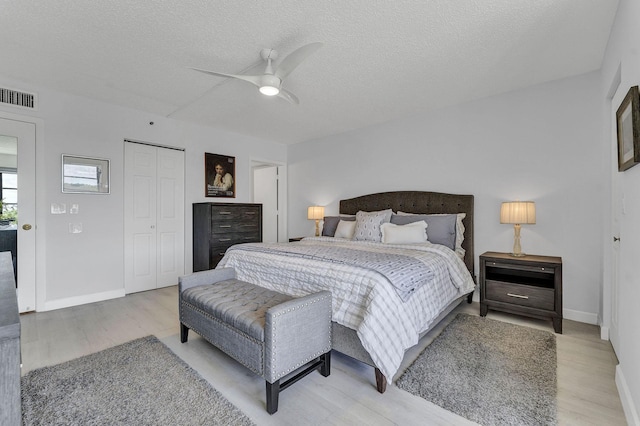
<point x="154" y="217"/>
<point x="140" y="217"/>
<point x="170" y="216"/>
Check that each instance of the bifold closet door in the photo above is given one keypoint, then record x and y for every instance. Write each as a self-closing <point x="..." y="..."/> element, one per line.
<point x="154" y="217"/>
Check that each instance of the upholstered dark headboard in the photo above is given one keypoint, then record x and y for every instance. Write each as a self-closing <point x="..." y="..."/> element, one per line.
<point x="420" y="202"/>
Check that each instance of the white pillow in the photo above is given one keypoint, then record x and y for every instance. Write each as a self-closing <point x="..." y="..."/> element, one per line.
<point x="459" y="230"/>
<point x="410" y="233"/>
<point x="345" y="229"/>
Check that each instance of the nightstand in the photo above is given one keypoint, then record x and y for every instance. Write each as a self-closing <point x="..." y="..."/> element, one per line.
<point x="529" y="285"/>
<point x="296" y="239"/>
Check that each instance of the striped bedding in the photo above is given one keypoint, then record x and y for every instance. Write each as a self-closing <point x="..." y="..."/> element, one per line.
<point x="363" y="298"/>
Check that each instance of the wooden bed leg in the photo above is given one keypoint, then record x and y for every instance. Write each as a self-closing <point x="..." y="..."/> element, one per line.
<point x="470" y="297"/>
<point x="381" y="381"/>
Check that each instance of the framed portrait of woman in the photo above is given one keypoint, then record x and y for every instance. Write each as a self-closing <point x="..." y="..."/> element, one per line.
<point x="220" y="175"/>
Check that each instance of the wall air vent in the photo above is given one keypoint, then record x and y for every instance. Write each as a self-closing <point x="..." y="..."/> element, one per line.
<point x="18" y="98"/>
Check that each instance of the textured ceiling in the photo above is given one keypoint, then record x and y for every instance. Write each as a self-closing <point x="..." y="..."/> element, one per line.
<point x="381" y="60"/>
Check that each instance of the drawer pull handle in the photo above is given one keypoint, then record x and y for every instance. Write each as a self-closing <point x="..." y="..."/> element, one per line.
<point x="221" y="254"/>
<point x="519" y="296"/>
<point x="249" y="212"/>
<point x="224" y="212"/>
<point x="225" y="226"/>
<point x="224" y="239"/>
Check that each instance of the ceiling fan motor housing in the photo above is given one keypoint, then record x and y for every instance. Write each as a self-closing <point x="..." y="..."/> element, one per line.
<point x="270" y="84"/>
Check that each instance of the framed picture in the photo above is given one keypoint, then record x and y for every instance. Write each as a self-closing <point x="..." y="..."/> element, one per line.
<point x="220" y="172"/>
<point x="628" y="120"/>
<point x="84" y="175"/>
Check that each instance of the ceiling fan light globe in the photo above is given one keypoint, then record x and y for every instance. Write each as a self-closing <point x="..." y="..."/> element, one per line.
<point x="269" y="90"/>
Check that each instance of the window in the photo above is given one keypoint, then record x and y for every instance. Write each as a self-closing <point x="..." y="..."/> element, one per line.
<point x="9" y="194"/>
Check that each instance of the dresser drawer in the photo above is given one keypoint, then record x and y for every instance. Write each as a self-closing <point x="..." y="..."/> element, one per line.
<point x="523" y="295"/>
<point x="234" y="238"/>
<point x="215" y="256"/>
<point x="229" y="227"/>
<point x="233" y="213"/>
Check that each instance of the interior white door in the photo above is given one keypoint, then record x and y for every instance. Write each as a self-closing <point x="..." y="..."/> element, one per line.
<point x="618" y="245"/>
<point x="265" y="192"/>
<point x="170" y="216"/>
<point x="154" y="217"/>
<point x="140" y="251"/>
<point x="24" y="136"/>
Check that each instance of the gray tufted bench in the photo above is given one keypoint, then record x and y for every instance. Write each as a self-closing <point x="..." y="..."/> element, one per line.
<point x="270" y="333"/>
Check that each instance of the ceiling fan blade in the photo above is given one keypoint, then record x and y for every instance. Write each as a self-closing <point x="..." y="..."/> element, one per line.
<point x="288" y="96"/>
<point x="253" y="79"/>
<point x="295" y="58"/>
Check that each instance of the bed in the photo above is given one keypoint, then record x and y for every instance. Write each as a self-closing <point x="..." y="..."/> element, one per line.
<point x="377" y="315"/>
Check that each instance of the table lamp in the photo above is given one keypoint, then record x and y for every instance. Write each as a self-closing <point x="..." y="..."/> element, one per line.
<point x="518" y="212"/>
<point x="316" y="213"/>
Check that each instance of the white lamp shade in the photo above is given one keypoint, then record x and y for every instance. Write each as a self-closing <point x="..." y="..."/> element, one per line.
<point x="315" y="213"/>
<point x="518" y="212"/>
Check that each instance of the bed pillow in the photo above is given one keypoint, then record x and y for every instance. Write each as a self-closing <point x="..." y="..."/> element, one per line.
<point x="459" y="229"/>
<point x="345" y="229"/>
<point x="368" y="225"/>
<point x="441" y="229"/>
<point x="331" y="223"/>
<point x="410" y="233"/>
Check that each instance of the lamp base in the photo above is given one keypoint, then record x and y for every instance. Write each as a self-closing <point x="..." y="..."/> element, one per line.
<point x="517" y="251"/>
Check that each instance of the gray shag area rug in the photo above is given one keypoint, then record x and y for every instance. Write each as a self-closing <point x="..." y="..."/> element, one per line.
<point x="488" y="371"/>
<point x="138" y="383"/>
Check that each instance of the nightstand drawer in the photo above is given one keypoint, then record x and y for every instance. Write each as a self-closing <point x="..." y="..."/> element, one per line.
<point x="523" y="295"/>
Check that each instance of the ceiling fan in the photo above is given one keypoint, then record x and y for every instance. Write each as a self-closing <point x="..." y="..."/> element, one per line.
<point x="270" y="83"/>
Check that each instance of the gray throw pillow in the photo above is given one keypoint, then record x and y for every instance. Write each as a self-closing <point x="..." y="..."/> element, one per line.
<point x="331" y="224"/>
<point x="441" y="229"/>
<point x="368" y="225"/>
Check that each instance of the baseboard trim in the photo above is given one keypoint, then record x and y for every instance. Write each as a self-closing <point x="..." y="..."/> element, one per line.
<point x="628" y="407"/>
<point x="604" y="332"/>
<point x="51" y="305"/>
<point x="586" y="317"/>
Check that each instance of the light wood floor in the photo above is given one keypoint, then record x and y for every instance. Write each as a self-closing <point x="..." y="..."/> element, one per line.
<point x="587" y="394"/>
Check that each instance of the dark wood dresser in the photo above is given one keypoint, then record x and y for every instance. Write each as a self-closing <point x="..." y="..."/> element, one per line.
<point x="218" y="226"/>
<point x="529" y="285"/>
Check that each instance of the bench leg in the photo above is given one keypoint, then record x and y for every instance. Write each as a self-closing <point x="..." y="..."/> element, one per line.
<point x="325" y="368"/>
<point x="184" y="333"/>
<point x="381" y="381"/>
<point x="273" y="390"/>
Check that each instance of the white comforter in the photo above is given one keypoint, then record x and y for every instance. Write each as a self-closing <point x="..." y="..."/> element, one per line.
<point x="363" y="299"/>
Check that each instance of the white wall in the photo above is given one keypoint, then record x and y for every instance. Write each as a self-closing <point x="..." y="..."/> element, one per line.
<point x="82" y="267"/>
<point x="623" y="54"/>
<point x="541" y="144"/>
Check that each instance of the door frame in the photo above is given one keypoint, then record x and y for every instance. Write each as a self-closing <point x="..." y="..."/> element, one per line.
<point x="612" y="215"/>
<point x="40" y="214"/>
<point x="256" y="163"/>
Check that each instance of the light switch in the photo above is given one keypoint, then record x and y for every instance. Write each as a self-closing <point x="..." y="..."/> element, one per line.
<point x="75" y="209"/>
<point x="58" y="208"/>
